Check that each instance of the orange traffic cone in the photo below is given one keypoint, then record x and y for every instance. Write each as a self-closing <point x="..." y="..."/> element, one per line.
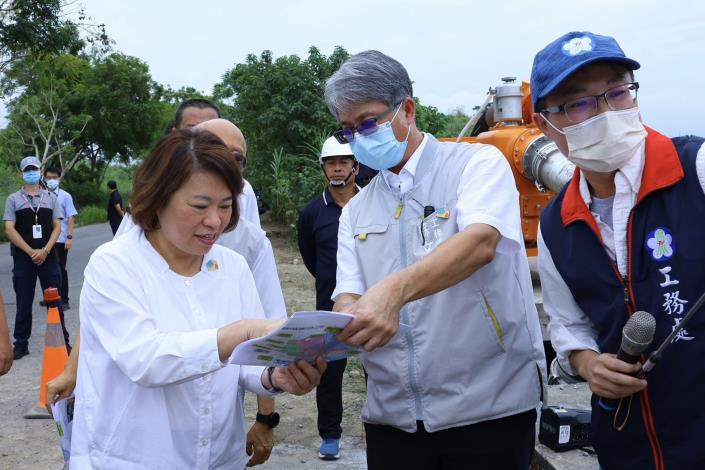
<point x="55" y="355"/>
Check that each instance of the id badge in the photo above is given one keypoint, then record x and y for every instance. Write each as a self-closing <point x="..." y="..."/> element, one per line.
<point x="431" y="229"/>
<point x="431" y="232"/>
<point x="36" y="231"/>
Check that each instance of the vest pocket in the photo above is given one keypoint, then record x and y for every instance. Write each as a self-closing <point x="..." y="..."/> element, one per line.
<point x="377" y="252"/>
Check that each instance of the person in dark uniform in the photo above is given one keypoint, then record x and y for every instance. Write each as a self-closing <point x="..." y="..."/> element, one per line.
<point x="115" y="208"/>
<point x="32" y="222"/>
<point x="318" y="244"/>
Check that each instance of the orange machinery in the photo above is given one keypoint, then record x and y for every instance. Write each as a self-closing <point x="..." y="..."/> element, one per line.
<point x="540" y="170"/>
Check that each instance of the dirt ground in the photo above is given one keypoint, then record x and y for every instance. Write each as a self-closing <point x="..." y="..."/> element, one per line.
<point x="33" y="444"/>
<point x="297" y="436"/>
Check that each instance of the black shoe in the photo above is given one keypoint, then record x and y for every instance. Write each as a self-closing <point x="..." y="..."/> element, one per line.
<point x="42" y="303"/>
<point x="66" y="306"/>
<point x="19" y="353"/>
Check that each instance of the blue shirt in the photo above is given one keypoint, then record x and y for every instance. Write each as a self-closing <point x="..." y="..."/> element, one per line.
<point x="66" y="210"/>
<point x="317" y="232"/>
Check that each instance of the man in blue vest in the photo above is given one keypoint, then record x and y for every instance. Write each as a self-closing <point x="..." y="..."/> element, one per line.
<point x="626" y="234"/>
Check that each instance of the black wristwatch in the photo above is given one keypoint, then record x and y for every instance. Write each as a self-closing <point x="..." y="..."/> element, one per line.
<point x="271" y="420"/>
<point x="69" y="237"/>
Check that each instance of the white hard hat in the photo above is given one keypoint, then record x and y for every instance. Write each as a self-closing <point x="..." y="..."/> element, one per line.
<point x="333" y="148"/>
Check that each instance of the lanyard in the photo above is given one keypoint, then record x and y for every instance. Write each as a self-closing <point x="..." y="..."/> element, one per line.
<point x="36" y="211"/>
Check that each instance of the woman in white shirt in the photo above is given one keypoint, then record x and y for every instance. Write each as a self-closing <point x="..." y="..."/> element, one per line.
<point x="162" y="308"/>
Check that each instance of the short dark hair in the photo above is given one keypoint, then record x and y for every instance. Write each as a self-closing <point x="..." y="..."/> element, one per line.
<point x="112" y="184"/>
<point x="53" y="169"/>
<point x="172" y="161"/>
<point x="200" y="103"/>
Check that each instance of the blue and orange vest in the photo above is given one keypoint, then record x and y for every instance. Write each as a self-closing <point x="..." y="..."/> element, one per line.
<point x="665" y="426"/>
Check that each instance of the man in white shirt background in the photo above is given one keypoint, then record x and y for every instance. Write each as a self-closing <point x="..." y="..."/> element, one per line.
<point x="194" y="111"/>
<point x="52" y="179"/>
<point x="251" y="242"/>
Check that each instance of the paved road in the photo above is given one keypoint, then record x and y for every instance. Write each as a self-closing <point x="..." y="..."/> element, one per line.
<point x="31" y="444"/>
<point x="86" y="240"/>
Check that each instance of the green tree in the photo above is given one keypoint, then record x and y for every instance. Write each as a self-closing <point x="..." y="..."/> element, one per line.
<point x="40" y="27"/>
<point x="40" y="120"/>
<point x="86" y="112"/>
<point x="454" y="124"/>
<point x="429" y="119"/>
<point x="278" y="102"/>
<point x="125" y="108"/>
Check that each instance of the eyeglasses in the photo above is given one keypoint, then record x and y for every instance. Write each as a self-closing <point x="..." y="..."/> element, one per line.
<point x="617" y="98"/>
<point x="346" y="135"/>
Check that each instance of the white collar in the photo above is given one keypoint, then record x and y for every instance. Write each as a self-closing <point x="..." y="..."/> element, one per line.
<point x="157" y="261"/>
<point x="631" y="172"/>
<point x="325" y="199"/>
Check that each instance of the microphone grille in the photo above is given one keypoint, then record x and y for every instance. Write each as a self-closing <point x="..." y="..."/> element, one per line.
<point x="638" y="333"/>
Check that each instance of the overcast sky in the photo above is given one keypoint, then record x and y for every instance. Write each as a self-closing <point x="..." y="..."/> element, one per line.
<point x="454" y="50"/>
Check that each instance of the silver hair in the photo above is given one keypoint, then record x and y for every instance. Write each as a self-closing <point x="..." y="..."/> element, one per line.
<point x="367" y="77"/>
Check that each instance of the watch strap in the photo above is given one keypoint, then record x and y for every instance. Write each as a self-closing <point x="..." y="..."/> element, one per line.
<point x="270" y="420"/>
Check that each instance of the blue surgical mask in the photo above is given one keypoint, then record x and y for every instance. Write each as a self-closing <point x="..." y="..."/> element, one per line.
<point x="31" y="177"/>
<point x="52" y="184"/>
<point x="380" y="150"/>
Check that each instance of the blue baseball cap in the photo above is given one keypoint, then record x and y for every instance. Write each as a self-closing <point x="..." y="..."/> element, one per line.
<point x="555" y="62"/>
<point x="30" y="161"/>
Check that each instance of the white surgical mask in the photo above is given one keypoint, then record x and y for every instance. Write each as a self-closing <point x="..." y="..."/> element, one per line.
<point x="604" y="143"/>
<point x="52" y="184"/>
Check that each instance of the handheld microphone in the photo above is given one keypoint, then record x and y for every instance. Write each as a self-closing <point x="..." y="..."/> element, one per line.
<point x="637" y="335"/>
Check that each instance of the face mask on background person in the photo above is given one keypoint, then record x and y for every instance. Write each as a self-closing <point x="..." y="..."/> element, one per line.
<point x="380" y="150"/>
<point x="604" y="143"/>
<point x="52" y="184"/>
<point x="31" y="177"/>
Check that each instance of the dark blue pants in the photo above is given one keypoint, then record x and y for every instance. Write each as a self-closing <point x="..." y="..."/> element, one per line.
<point x="24" y="281"/>
<point x="329" y="400"/>
<point x="62" y="254"/>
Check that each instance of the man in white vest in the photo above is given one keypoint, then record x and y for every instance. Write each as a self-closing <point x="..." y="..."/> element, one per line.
<point x="434" y="242"/>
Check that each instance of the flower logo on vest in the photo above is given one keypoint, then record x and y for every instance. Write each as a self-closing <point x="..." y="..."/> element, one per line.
<point x="577" y="46"/>
<point x="212" y="265"/>
<point x="660" y="244"/>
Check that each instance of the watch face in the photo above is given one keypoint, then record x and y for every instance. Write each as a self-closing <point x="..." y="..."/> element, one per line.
<point x="274" y="420"/>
